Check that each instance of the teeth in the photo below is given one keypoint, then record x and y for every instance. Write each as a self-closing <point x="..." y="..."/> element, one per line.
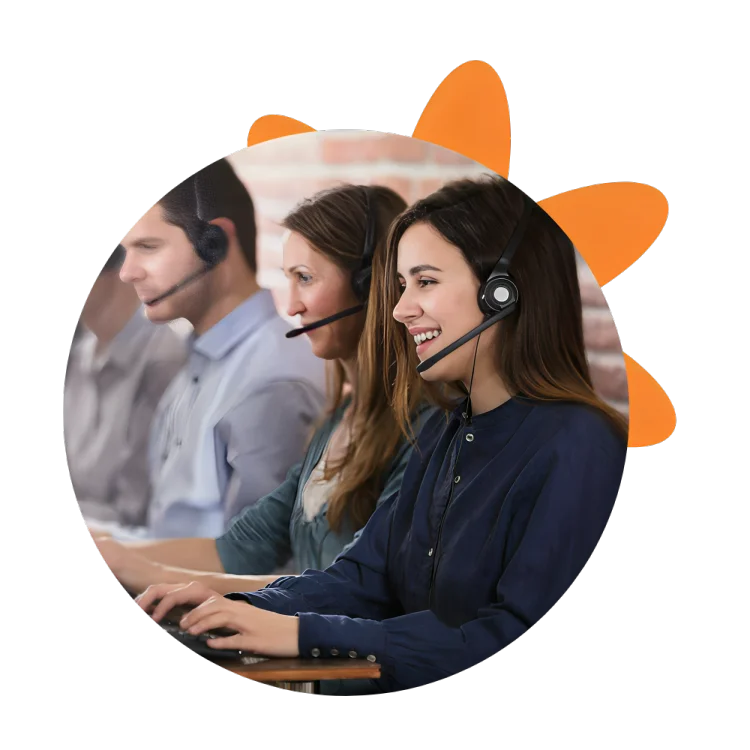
<point x="422" y="337"/>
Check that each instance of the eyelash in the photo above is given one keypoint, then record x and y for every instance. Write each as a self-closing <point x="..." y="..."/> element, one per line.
<point x="422" y="283"/>
<point x="304" y="278"/>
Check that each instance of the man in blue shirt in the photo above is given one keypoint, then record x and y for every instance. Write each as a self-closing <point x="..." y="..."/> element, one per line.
<point x="239" y="414"/>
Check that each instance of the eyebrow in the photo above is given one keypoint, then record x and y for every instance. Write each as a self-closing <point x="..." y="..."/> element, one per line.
<point x="424" y="267"/>
<point x="141" y="241"/>
<point x="294" y="268"/>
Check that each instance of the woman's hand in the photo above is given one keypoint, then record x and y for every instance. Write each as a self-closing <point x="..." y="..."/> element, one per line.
<point x="258" y="631"/>
<point x="168" y="595"/>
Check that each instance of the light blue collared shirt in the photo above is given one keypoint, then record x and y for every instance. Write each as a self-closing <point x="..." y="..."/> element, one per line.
<point x="233" y="421"/>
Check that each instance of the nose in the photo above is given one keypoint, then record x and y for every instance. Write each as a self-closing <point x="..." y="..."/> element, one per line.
<point x="130" y="271"/>
<point x="407" y="309"/>
<point x="294" y="305"/>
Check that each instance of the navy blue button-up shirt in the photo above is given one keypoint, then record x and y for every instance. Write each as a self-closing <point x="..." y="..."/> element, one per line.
<point x="495" y="518"/>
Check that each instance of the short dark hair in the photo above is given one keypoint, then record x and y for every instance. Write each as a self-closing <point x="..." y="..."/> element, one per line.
<point x="214" y="192"/>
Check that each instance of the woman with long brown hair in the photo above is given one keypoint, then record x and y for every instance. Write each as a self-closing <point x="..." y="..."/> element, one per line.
<point x="505" y="496"/>
<point x="335" y="241"/>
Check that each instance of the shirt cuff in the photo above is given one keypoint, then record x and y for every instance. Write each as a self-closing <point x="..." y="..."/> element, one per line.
<point x="272" y="600"/>
<point x="327" y="636"/>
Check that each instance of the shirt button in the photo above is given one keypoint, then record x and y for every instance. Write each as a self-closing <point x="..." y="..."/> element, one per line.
<point x="371" y="657"/>
<point x="195" y="378"/>
<point x="457" y="479"/>
<point x="430" y="551"/>
<point x="315" y="651"/>
<point x="353" y="654"/>
<point x="334" y="652"/>
<point x="469" y="438"/>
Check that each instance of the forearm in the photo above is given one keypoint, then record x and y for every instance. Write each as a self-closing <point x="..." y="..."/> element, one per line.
<point x="222" y="583"/>
<point x="193" y="553"/>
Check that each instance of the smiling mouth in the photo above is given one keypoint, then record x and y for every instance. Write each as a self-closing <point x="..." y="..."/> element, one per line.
<point x="421" y="338"/>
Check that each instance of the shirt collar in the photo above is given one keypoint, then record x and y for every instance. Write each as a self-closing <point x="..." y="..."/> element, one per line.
<point x="512" y="410"/>
<point x="220" y="339"/>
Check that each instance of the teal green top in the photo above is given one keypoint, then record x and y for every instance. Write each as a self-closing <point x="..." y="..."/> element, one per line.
<point x="267" y="534"/>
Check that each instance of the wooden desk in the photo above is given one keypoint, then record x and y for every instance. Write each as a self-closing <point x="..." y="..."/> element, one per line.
<point x="303" y="675"/>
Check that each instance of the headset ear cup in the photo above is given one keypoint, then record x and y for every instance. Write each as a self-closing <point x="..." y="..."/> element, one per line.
<point x="213" y="245"/>
<point x="361" y="283"/>
<point x="483" y="306"/>
<point x="497" y="294"/>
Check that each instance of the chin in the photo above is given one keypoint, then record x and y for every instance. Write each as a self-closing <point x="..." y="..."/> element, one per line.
<point x="328" y="353"/>
<point x="321" y="352"/>
<point x="444" y="371"/>
<point x="158" y="314"/>
<point x="434" y="375"/>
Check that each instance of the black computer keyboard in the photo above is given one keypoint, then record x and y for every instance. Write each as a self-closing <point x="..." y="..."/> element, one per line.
<point x="198" y="644"/>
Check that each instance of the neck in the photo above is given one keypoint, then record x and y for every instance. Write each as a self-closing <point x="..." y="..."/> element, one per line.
<point x="350" y="370"/>
<point x="487" y="392"/>
<point x="225" y="303"/>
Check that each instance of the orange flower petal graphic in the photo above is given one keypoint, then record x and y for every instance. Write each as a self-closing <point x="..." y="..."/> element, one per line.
<point x="468" y="113"/>
<point x="268" y="127"/>
<point x="652" y="416"/>
<point x="612" y="224"/>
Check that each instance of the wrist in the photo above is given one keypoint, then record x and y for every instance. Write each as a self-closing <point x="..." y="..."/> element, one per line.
<point x="293" y="635"/>
<point x="161" y="573"/>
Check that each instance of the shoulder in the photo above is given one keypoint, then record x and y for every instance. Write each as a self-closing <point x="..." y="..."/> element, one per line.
<point x="569" y="428"/>
<point x="283" y="401"/>
<point x="275" y="357"/>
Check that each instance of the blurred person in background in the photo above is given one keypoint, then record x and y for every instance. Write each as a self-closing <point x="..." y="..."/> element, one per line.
<point x="119" y="366"/>
<point x="239" y="414"/>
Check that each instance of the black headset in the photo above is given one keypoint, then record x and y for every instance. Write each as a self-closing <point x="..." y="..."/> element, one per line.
<point x="361" y="278"/>
<point x="498" y="296"/>
<point x="212" y="243"/>
<point x="499" y="292"/>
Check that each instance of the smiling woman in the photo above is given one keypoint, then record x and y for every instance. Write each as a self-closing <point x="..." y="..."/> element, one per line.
<point x="503" y="499"/>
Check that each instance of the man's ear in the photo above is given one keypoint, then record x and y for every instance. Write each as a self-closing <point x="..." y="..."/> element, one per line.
<point x="228" y="226"/>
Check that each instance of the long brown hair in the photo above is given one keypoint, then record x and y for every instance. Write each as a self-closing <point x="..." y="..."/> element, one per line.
<point x="540" y="353"/>
<point x="334" y="222"/>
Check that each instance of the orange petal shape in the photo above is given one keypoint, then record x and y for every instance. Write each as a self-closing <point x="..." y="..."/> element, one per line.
<point x="468" y="113"/>
<point x="268" y="127"/>
<point x="652" y="416"/>
<point x="611" y="224"/>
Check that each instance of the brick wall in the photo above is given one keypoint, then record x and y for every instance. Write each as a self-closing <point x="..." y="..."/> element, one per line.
<point x="284" y="171"/>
